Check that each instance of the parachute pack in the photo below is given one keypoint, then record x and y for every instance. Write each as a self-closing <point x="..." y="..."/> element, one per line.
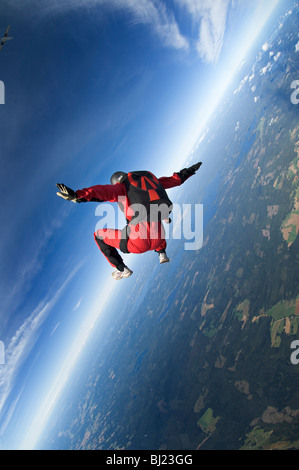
<point x="148" y="199"/>
<point x="148" y="202"/>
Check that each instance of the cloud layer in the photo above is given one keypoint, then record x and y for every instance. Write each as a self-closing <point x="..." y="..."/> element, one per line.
<point x="209" y="18"/>
<point x="20" y="346"/>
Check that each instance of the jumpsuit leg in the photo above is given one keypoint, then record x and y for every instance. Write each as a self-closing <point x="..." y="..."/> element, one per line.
<point x="162" y="247"/>
<point x="158" y="237"/>
<point x="146" y="236"/>
<point x="108" y="240"/>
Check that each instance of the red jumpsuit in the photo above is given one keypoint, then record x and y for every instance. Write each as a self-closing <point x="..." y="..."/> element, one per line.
<point x="151" y="234"/>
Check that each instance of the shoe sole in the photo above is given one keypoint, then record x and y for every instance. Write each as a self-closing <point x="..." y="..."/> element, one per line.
<point x="122" y="277"/>
<point x="127" y="275"/>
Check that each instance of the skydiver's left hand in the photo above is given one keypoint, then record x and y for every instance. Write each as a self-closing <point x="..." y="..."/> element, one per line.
<point x="192" y="169"/>
<point x="187" y="172"/>
<point x="66" y="193"/>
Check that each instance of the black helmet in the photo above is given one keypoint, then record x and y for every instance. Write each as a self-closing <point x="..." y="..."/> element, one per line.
<point x="118" y="177"/>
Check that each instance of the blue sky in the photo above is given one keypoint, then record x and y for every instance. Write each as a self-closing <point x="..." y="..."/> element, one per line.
<point x="91" y="87"/>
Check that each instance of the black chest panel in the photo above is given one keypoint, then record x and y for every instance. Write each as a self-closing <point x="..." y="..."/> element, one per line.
<point x="148" y="199"/>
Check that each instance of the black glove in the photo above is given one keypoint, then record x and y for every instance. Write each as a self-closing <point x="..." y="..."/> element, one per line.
<point x="194" y="167"/>
<point x="66" y="193"/>
<point x="187" y="172"/>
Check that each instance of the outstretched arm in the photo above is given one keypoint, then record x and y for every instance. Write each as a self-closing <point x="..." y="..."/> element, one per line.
<point x="179" y="178"/>
<point x="102" y="193"/>
<point x="98" y="193"/>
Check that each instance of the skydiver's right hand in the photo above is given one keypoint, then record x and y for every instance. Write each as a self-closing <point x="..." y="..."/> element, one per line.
<point x="66" y="193"/>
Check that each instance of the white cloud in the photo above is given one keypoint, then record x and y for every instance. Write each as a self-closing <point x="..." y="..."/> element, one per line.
<point x="211" y="17"/>
<point x="266" y="69"/>
<point x="265" y="47"/>
<point x="297" y="47"/>
<point x="276" y="57"/>
<point x="151" y="12"/>
<point x="242" y="83"/>
<point x="22" y="343"/>
<point x="55" y="328"/>
<point x="155" y="14"/>
<point x="18" y="349"/>
<point x="78" y="304"/>
<point x="12" y="293"/>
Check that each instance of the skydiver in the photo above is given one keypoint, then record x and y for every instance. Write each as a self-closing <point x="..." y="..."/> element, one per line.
<point x="138" y="195"/>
